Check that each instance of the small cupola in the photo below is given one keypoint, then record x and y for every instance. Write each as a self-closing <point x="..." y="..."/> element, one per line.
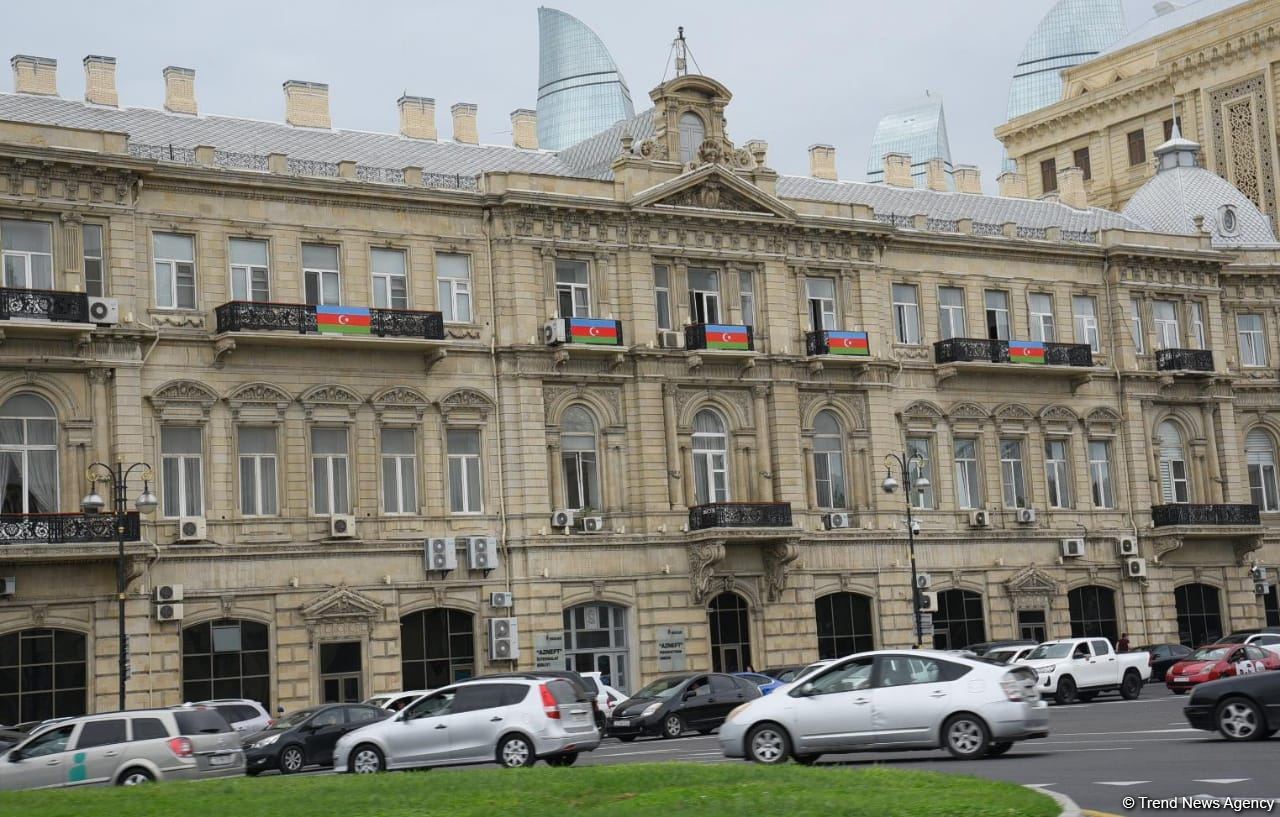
<point x="1177" y="152"/>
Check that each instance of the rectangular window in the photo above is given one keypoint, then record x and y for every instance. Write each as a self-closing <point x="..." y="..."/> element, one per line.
<point x="704" y="295"/>
<point x="573" y="289"/>
<point x="28" y="254"/>
<point x="390" y="278"/>
<point x="906" y="314"/>
<point x="1137" y="147"/>
<point x="997" y="302"/>
<point x="1057" y="474"/>
<point x="465" y="492"/>
<point x="399" y="471"/>
<point x="1049" y="175"/>
<point x="330" y="484"/>
<point x="821" y="293"/>
<point x="662" y="295"/>
<point x="180" y="471"/>
<point x="1100" y="474"/>
<point x="1253" y="341"/>
<point x="1168" y="334"/>
<point x="1012" y="480"/>
<point x="1260" y="456"/>
<point x="919" y="447"/>
<point x="1168" y="127"/>
<point x="175" y="268"/>
<point x="1197" y="324"/>
<point x="968" y="481"/>
<point x="1080" y="158"/>
<point x="453" y="280"/>
<point x="29" y="458"/>
<point x="95" y="282"/>
<point x="322" y="274"/>
<point x="1135" y="326"/>
<point x="746" y="298"/>
<point x="1085" y="316"/>
<point x="250" y="276"/>
<point x="1042" y="326"/>
<point x="951" y="318"/>
<point x="257" y="445"/>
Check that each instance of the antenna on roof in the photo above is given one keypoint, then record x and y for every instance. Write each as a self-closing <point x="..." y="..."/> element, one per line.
<point x="1175" y="132"/>
<point x="680" y="48"/>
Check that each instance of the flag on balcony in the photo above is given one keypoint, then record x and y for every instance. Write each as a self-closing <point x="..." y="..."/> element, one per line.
<point x="342" y="320"/>
<point x="1026" y="351"/>
<point x="593" y="330"/>
<point x="720" y="336"/>
<point x="848" y="343"/>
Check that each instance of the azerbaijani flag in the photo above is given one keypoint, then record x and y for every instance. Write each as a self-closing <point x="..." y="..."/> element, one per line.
<point x="343" y="320"/>
<point x="599" y="331"/>
<point x="848" y="343"/>
<point x="1026" y="351"/>
<point x="724" y="336"/>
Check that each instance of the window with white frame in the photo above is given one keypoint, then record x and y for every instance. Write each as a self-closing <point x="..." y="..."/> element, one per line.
<point x="181" y="455"/>
<point x="704" y="295"/>
<point x="399" y="471"/>
<point x="466" y="494"/>
<point x="250" y="270"/>
<point x="1253" y="340"/>
<point x="920" y="464"/>
<point x="692" y="131"/>
<point x="1196" y="315"/>
<point x="175" y="268"/>
<point x="1168" y="333"/>
<point x="968" y="479"/>
<point x="322" y="273"/>
<point x="1100" y="482"/>
<point x="453" y="284"/>
<point x="746" y="298"/>
<point x="1012" y="477"/>
<point x="95" y="281"/>
<point x="1260" y="452"/>
<point x="330" y="469"/>
<point x="1085" y="315"/>
<point x="997" y="308"/>
<point x="828" y="461"/>
<point x="257" y="450"/>
<point x="573" y="288"/>
<point x="906" y="314"/>
<point x="1042" y="325"/>
<point x="710" y="458"/>
<point x="1175" y="484"/>
<point x="662" y="295"/>
<point x="29" y="455"/>
<point x="28" y="254"/>
<point x="578" y="459"/>
<point x="1057" y="473"/>
<point x="821" y="295"/>
<point x="390" y="278"/>
<point x="1135" y="326"/>
<point x="951" y="317"/>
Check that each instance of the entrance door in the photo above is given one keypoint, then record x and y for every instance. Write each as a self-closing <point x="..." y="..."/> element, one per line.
<point x="341" y="672"/>
<point x="1031" y="625"/>
<point x="730" y="658"/>
<point x="730" y="633"/>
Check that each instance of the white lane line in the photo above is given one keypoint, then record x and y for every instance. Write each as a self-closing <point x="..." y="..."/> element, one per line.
<point x="1134" y="732"/>
<point x="1039" y="785"/>
<point x="1110" y="749"/>
<point x="1224" y="781"/>
<point x="1120" y="782"/>
<point x="1142" y="742"/>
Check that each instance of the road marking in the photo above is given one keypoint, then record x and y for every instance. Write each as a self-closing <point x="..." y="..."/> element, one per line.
<point x="1110" y="749"/>
<point x="1223" y="780"/>
<point x="1133" y="732"/>
<point x="1120" y="782"/>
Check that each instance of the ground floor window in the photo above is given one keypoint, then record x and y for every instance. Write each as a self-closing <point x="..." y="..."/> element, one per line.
<point x="1031" y="625"/>
<point x="1272" y="606"/>
<point x="730" y="633"/>
<point x="595" y="640"/>
<point x="959" y="621"/>
<point x="844" y="624"/>
<point x="341" y="672"/>
<point x="227" y="658"/>
<point x="1199" y="614"/>
<point x="42" y="675"/>
<point x="1093" y="613"/>
<point x="437" y="648"/>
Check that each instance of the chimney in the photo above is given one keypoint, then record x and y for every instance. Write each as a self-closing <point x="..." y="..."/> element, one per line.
<point x="35" y="75"/>
<point x="524" y="128"/>
<point x="1012" y="185"/>
<point x="306" y="104"/>
<point x="464" y="123"/>
<point x="936" y="176"/>
<point x="100" y="80"/>
<point x="1071" y="188"/>
<point x="179" y="90"/>
<point x="822" y="162"/>
<point x="897" y="170"/>
<point x="968" y="179"/>
<point x="417" y="117"/>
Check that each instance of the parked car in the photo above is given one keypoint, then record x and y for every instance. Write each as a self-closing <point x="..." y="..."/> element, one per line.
<point x="1164" y="656"/>
<point x="1077" y="669"/>
<point x="306" y="737"/>
<point x="675" y="703"/>
<point x="587" y="691"/>
<point x="126" y="749"/>
<point x="11" y="737"/>
<point x="606" y="696"/>
<point x="1268" y="638"/>
<point x="983" y="647"/>
<point x="395" y="701"/>
<point x="243" y="714"/>
<point x="511" y="721"/>
<point x="763" y="682"/>
<point x="784" y="674"/>
<point x="1246" y="707"/>
<point x="1008" y="655"/>
<point x="891" y="700"/>
<point x="1214" y="661"/>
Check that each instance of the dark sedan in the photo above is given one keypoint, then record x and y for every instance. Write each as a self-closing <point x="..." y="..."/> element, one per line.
<point x="982" y="647"/>
<point x="11" y="737"/>
<point x="306" y="737"/>
<point x="671" y="705"/>
<point x="1164" y="656"/>
<point x="1246" y="707"/>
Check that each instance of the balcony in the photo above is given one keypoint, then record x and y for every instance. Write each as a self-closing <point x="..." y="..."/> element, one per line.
<point x="718" y="337"/>
<point x="740" y="515"/>
<point x="43" y="312"/>
<point x="852" y="346"/>
<point x="42" y="537"/>
<point x="997" y="356"/>
<point x="1204" y="515"/>
<point x="1184" y="360"/>
<point x="266" y="323"/>
<point x="971" y="350"/>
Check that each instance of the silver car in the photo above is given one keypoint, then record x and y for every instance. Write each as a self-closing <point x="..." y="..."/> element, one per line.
<point x="510" y="721"/>
<point x="126" y="749"/>
<point x="891" y="700"/>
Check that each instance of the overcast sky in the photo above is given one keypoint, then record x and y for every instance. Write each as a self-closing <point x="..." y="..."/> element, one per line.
<point x="801" y="72"/>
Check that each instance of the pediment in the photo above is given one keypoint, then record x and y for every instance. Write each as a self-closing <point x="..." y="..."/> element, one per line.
<point x="1032" y="581"/>
<point x="712" y="187"/>
<point x="341" y="603"/>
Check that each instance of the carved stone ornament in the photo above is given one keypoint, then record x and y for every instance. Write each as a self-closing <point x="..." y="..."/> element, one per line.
<point x="922" y="410"/>
<point x="703" y="557"/>
<point x="1032" y="587"/>
<point x="39" y="612"/>
<point x="341" y="612"/>
<point x="183" y="394"/>
<point x="400" y="398"/>
<point x="651" y="149"/>
<point x="712" y="194"/>
<point x="778" y="559"/>
<point x="465" y="400"/>
<point x="260" y="396"/>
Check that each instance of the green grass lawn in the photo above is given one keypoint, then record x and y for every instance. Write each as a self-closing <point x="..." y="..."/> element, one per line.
<point x="660" y="790"/>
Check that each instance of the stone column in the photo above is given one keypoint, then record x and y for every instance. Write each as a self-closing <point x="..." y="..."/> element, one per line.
<point x="548" y="283"/>
<point x="615" y="479"/>
<point x="604" y="302"/>
<point x="72" y="253"/>
<point x="1209" y="421"/>
<point x="557" y="474"/>
<point x="810" y="489"/>
<point x="674" y="460"/>
<point x="686" y="457"/>
<point x="765" y="481"/>
<point x="101" y="413"/>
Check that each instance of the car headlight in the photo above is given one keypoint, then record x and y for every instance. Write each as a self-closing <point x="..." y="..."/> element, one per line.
<point x="1046" y="670"/>
<point x="650" y="709"/>
<point x="735" y="711"/>
<point x="267" y="741"/>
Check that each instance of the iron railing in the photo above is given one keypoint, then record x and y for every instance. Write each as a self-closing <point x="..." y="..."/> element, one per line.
<point x="695" y="335"/>
<point x="46" y="304"/>
<point x="58" y="528"/>
<point x="967" y="350"/>
<point x="1068" y="354"/>
<point x="1188" y="360"/>
<point x="258" y="316"/>
<point x="740" y="515"/>
<point x="1221" y="514"/>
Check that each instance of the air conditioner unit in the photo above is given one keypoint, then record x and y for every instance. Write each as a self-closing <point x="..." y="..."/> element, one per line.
<point x="1026" y="516"/>
<point x="482" y="553"/>
<point x="1135" y="568"/>
<point x="441" y="554"/>
<point x="834" y="521"/>
<point x="1126" y="546"/>
<point x="928" y="602"/>
<point x="1258" y="573"/>
<point x="1072" y="548"/>
<point x="553" y="332"/>
<point x="1260" y="588"/>
<point x="342" y="526"/>
<point x="923" y="580"/>
<point x="980" y="519"/>
<point x="563" y="518"/>
<point x="104" y="311"/>
<point x="502" y="600"/>
<point x="591" y="524"/>
<point x="504" y="642"/>
<point x="166" y="593"/>
<point x="192" y="529"/>
<point x="8" y="585"/>
<point x="670" y="340"/>
<point x="168" y="612"/>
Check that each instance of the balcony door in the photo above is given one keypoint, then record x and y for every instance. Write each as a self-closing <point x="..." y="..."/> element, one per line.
<point x="730" y="633"/>
<point x="28" y="254"/>
<point x="704" y="295"/>
<point x="710" y="458"/>
<point x="1175" y="485"/>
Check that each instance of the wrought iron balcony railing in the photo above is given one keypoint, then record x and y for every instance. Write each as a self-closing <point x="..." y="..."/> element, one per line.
<point x="258" y="316"/>
<point x="968" y="350"/>
<point x="982" y="350"/>
<point x="45" y="304"/>
<point x="1068" y="354"/>
<point x="1185" y="514"/>
<point x="1184" y="360"/>
<point x="719" y="337"/>
<point x="740" y="515"/>
<point x="58" y="528"/>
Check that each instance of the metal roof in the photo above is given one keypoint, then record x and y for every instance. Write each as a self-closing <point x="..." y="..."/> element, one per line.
<point x="1170" y="20"/>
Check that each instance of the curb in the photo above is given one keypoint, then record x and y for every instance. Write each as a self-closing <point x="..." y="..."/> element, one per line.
<point x="1069" y="807"/>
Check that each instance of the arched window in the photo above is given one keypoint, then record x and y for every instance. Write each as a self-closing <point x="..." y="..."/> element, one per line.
<point x="595" y="640"/>
<point x="228" y="658"/>
<point x="959" y="621"/>
<point x="828" y="461"/>
<point x="578" y="459"/>
<point x="1199" y="614"/>
<point x="1271" y="605"/>
<point x="710" y="458"/>
<point x="29" y="455"/>
<point x="42" y="675"/>
<point x="692" y="133"/>
<point x="437" y="648"/>
<point x="844" y="624"/>
<point x="730" y="633"/>
<point x="1175" y="486"/>
<point x="1093" y="612"/>
<point x="1260" y="452"/>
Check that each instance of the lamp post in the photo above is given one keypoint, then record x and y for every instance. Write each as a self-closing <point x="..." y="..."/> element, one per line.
<point x="146" y="503"/>
<point x="890" y="485"/>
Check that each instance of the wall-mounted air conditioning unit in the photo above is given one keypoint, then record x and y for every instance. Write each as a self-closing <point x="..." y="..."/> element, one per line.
<point x="1261" y="588"/>
<point x="8" y="585"/>
<point x="482" y="553"/>
<point x="670" y="340"/>
<point x="504" y="641"/>
<point x="563" y="518"/>
<point x="167" y="593"/>
<point x="928" y="602"/>
<point x="1126" y="546"/>
<point x="104" y="311"/>
<point x="1135" y="568"/>
<point x="591" y="524"/>
<point x="836" y="521"/>
<point x="342" y="526"/>
<point x="192" y="529"/>
<point x="980" y="519"/>
<point x="502" y="600"/>
<point x="441" y="554"/>
<point x="1026" y="516"/>
<point x="169" y="612"/>
<point x="553" y="332"/>
<point x="1072" y="548"/>
<point x="923" y="580"/>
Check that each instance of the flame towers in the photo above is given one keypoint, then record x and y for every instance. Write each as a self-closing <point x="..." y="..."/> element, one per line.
<point x="580" y="89"/>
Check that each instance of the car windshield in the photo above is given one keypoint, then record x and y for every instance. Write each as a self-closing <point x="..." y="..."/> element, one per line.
<point x="999" y="656"/>
<point x="1210" y="654"/>
<point x="294" y="718"/>
<point x="1050" y="651"/>
<point x="663" y="688"/>
<point x="1239" y="638"/>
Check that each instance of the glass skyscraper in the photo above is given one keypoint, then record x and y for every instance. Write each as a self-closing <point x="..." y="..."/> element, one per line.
<point x="919" y="130"/>
<point x="580" y="89"/>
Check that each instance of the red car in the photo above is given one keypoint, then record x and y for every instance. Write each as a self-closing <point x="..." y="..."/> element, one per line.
<point x="1215" y="661"/>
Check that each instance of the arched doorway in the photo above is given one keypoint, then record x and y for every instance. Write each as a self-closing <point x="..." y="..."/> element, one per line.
<point x="730" y="633"/>
<point x="227" y="658"/>
<point x="437" y="648"/>
<point x="844" y="624"/>
<point x="1093" y="612"/>
<point x="43" y="674"/>
<point x="1199" y="614"/>
<point x="959" y="621"/>
<point x="595" y="640"/>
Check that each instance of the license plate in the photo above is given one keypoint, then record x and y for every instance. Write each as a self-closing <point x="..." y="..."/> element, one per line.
<point x="621" y="724"/>
<point x="222" y="760"/>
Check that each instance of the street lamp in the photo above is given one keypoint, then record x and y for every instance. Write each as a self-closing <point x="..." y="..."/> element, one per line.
<point x="890" y="485"/>
<point x="145" y="504"/>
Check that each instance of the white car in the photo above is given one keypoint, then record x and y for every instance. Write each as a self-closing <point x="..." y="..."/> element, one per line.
<point x="244" y="715"/>
<point x="891" y="700"/>
<point x="395" y="701"/>
<point x="1077" y="669"/>
<point x="1264" y="640"/>
<point x="606" y="696"/>
<point x="1009" y="655"/>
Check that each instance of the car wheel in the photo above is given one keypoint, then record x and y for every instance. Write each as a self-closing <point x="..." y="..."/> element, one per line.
<point x="806" y="760"/>
<point x="999" y="748"/>
<point x="768" y="744"/>
<point x="566" y="759"/>
<point x="1131" y="686"/>
<point x="516" y="752"/>
<point x="965" y="736"/>
<point x="1240" y="719"/>
<point x="626" y="738"/>
<point x="672" y="726"/>
<point x="366" y="759"/>
<point x="291" y="760"/>
<point x="1066" y="693"/>
<point x="136" y="776"/>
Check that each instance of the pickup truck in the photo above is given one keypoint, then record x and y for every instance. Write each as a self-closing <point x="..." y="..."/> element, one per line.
<point x="1077" y="669"/>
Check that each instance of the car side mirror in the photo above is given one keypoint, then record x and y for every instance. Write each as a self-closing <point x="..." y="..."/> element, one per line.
<point x="15" y="756"/>
<point x="806" y="689"/>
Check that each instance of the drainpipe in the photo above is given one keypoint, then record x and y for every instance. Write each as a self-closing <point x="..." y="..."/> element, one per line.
<point x="486" y="224"/>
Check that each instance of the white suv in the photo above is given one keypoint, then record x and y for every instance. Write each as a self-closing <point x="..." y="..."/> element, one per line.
<point x="242" y="714"/>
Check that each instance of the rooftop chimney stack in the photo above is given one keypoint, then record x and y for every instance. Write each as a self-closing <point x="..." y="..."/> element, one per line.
<point x="179" y="90"/>
<point x="464" y="123"/>
<point x="936" y="176"/>
<point x="524" y="128"/>
<point x="306" y="104"/>
<point x="417" y="117"/>
<point x="35" y="75"/>
<point x="1012" y="185"/>
<point x="1071" y="188"/>
<point x="822" y="162"/>
<point x="100" y="80"/>
<point x="968" y="179"/>
<point x="897" y="170"/>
